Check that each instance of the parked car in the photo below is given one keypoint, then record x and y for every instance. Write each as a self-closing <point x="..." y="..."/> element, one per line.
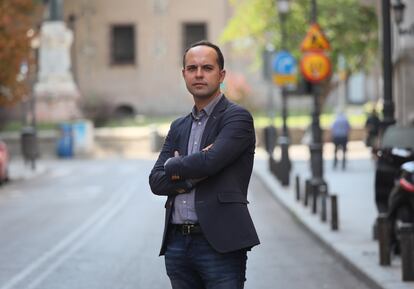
<point x="4" y="162"/>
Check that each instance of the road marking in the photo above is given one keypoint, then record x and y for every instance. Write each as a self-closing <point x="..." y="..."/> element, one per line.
<point x="75" y="240"/>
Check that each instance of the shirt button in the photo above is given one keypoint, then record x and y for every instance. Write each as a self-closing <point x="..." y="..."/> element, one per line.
<point x="184" y="202"/>
<point x="195" y="143"/>
<point x="199" y="123"/>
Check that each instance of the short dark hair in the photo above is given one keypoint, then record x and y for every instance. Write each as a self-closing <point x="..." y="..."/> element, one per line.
<point x="220" y="58"/>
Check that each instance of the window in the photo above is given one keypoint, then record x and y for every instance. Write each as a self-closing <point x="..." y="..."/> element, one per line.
<point x="122" y="44"/>
<point x="193" y="32"/>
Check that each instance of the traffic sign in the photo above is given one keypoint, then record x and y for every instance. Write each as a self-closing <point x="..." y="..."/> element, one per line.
<point x="315" y="66"/>
<point x="284" y="69"/>
<point x="315" y="40"/>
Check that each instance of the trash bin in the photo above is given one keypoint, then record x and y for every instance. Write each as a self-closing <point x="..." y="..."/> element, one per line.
<point x="64" y="145"/>
<point x="83" y="137"/>
<point x="28" y="142"/>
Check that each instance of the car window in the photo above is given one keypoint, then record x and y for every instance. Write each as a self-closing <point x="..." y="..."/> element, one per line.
<point x="397" y="136"/>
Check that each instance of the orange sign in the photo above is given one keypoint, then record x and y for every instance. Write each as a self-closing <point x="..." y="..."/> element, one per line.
<point x="315" y="66"/>
<point x="315" y="40"/>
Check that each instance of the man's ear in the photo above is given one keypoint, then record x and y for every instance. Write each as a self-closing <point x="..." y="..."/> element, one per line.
<point x="182" y="71"/>
<point x="222" y="75"/>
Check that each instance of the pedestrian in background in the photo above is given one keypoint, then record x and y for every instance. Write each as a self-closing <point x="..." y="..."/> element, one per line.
<point x="340" y="134"/>
<point x="204" y="168"/>
<point x="372" y="126"/>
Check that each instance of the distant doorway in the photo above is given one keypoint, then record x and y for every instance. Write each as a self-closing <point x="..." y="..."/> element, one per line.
<point x="124" y="111"/>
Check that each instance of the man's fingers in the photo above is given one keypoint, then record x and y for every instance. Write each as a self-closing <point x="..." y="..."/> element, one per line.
<point x="175" y="177"/>
<point x="207" y="148"/>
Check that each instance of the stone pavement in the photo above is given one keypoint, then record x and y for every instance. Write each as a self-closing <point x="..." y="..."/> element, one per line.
<point x="353" y="243"/>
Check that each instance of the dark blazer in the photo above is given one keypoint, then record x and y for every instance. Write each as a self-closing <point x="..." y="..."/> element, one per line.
<point x="221" y="198"/>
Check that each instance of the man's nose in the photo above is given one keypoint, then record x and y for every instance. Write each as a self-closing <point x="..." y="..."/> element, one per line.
<point x="199" y="72"/>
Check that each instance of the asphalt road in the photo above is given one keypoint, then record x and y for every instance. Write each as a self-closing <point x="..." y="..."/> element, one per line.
<point x="95" y="225"/>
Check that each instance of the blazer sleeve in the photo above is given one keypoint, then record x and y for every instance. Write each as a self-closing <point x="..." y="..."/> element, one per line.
<point x="235" y="137"/>
<point x="159" y="182"/>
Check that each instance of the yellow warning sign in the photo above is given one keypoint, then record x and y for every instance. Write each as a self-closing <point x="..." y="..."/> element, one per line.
<point x="315" y="40"/>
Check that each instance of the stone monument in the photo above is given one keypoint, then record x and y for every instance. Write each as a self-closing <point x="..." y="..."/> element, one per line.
<point x="55" y="91"/>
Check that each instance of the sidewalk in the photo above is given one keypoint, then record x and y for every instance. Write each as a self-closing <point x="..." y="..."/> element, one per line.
<point x="353" y="243"/>
<point x="18" y="170"/>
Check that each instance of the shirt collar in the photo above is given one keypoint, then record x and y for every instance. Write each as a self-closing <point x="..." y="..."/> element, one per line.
<point x="207" y="110"/>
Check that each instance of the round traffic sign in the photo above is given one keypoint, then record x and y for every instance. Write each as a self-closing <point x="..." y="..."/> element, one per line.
<point x="284" y="63"/>
<point x="315" y="66"/>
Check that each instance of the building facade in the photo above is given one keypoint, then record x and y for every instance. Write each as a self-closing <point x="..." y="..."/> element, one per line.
<point x="403" y="65"/>
<point x="127" y="55"/>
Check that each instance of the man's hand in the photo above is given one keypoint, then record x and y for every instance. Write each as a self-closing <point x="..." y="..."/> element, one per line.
<point x="175" y="177"/>
<point x="207" y="148"/>
<point x="193" y="182"/>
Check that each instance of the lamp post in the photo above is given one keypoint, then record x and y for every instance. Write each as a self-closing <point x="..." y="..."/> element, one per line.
<point x="283" y="140"/>
<point x="388" y="109"/>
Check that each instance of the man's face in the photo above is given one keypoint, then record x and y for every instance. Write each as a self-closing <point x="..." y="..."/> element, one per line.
<point x="201" y="72"/>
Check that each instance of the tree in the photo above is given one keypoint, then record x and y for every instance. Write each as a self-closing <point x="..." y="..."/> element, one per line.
<point x="16" y="58"/>
<point x="350" y="26"/>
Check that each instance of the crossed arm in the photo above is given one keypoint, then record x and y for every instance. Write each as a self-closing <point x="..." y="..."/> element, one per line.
<point x="178" y="174"/>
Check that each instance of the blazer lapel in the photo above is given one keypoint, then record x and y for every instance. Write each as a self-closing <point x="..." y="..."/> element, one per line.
<point x="220" y="107"/>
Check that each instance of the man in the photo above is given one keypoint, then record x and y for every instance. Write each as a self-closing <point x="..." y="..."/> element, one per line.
<point x="372" y="126"/>
<point x="204" y="168"/>
<point x="339" y="133"/>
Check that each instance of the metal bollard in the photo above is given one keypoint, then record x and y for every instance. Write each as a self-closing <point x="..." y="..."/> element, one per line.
<point x="297" y="187"/>
<point x="307" y="191"/>
<point x="315" y="193"/>
<point x="384" y="239"/>
<point x="406" y="233"/>
<point x="334" y="213"/>
<point x="323" y="191"/>
<point x="323" y="207"/>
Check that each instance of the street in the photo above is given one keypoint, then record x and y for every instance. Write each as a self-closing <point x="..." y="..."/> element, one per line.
<point x="95" y="224"/>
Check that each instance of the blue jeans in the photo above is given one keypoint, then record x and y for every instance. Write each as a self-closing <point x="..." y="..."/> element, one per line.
<point x="192" y="263"/>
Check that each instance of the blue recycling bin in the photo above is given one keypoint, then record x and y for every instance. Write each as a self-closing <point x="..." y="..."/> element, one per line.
<point x="64" y="145"/>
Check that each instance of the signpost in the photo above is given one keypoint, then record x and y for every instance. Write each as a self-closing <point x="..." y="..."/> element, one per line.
<point x="284" y="75"/>
<point x="315" y="67"/>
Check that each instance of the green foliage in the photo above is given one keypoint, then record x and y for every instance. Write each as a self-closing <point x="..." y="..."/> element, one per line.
<point x="350" y="26"/>
<point x="17" y="18"/>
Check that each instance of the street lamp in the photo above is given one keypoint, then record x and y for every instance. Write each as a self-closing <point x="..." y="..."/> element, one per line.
<point x="398" y="8"/>
<point x="283" y="8"/>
